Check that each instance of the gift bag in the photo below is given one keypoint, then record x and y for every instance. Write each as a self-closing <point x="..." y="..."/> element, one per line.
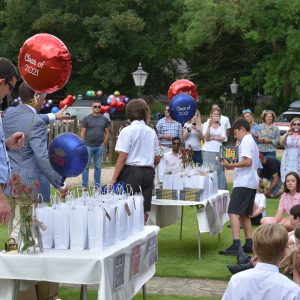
<point x="121" y="221"/>
<point x="109" y="225"/>
<point x="78" y="227"/>
<point x="46" y="216"/>
<point x="138" y="219"/>
<point x="190" y="194"/>
<point x="166" y="194"/>
<point x="130" y="214"/>
<point x="61" y="227"/>
<point x="95" y="228"/>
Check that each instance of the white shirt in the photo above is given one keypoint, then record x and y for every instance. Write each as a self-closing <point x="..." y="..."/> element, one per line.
<point x="260" y="201"/>
<point x="174" y="164"/>
<point x="247" y="177"/>
<point x="193" y="139"/>
<point x="264" y="282"/>
<point x="225" y="123"/>
<point x="140" y="142"/>
<point x="213" y="145"/>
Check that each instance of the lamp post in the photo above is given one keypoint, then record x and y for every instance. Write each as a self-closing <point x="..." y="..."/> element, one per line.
<point x="234" y="90"/>
<point x="139" y="77"/>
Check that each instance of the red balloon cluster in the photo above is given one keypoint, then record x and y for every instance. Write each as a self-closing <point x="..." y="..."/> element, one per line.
<point x="45" y="63"/>
<point x="182" y="86"/>
<point x="115" y="102"/>
<point x="69" y="100"/>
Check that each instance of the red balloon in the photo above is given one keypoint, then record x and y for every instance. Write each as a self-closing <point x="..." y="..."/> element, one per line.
<point x="113" y="102"/>
<point x="104" y="109"/>
<point x="69" y="100"/>
<point x="120" y="106"/>
<point x="45" y="63"/>
<point x="182" y="86"/>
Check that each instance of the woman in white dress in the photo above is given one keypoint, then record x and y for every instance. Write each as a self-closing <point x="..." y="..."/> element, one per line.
<point x="291" y="156"/>
<point x="214" y="134"/>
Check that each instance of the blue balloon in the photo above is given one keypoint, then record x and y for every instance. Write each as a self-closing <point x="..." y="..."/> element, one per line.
<point x="68" y="155"/>
<point x="54" y="109"/>
<point x="182" y="108"/>
<point x="118" y="188"/>
<point x="125" y="100"/>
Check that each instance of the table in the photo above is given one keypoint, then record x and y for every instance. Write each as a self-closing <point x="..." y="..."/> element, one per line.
<point x="211" y="213"/>
<point x="85" y="267"/>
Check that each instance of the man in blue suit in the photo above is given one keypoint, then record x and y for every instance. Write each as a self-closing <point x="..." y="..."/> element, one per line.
<point x="31" y="161"/>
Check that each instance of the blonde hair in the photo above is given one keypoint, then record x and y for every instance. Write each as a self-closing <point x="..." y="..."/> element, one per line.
<point x="264" y="114"/>
<point x="295" y="119"/>
<point x="269" y="242"/>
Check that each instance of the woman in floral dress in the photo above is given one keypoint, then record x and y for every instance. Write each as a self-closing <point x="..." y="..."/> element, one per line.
<point x="269" y="135"/>
<point x="291" y="155"/>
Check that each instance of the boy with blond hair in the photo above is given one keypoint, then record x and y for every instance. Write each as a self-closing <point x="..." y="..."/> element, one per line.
<point x="264" y="282"/>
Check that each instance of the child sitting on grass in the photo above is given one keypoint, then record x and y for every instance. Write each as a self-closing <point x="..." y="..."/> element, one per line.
<point x="289" y="198"/>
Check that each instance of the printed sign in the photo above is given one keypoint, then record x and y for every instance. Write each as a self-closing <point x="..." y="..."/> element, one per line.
<point x="135" y="260"/>
<point x="119" y="266"/>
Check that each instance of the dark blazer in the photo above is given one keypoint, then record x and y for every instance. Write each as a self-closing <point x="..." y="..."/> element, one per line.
<point x="31" y="161"/>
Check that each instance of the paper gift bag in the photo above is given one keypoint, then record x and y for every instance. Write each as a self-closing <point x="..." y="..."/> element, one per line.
<point x="95" y="228"/>
<point x="168" y="181"/>
<point x="121" y="221"/>
<point x="130" y="214"/>
<point x="78" y="227"/>
<point x="109" y="226"/>
<point x="46" y="216"/>
<point x="190" y="194"/>
<point x="138" y="219"/>
<point x="61" y="227"/>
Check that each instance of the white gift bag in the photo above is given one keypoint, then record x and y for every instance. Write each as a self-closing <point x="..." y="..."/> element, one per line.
<point x="95" y="228"/>
<point x="78" y="226"/>
<point x="46" y="216"/>
<point x="61" y="227"/>
<point x="138" y="219"/>
<point x="121" y="221"/>
<point x="130" y="214"/>
<point x="109" y="225"/>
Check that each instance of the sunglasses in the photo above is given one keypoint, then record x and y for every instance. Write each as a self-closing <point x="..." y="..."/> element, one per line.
<point x="10" y="86"/>
<point x="296" y="124"/>
<point x="97" y="106"/>
<point x="176" y="143"/>
<point x="246" y="111"/>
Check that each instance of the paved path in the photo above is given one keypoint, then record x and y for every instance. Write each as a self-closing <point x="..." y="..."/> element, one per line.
<point x="179" y="287"/>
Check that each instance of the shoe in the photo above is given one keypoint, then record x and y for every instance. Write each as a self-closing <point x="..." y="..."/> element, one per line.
<point x="229" y="251"/>
<point x="233" y="269"/>
<point x="84" y="189"/>
<point x="247" y="249"/>
<point x="242" y="258"/>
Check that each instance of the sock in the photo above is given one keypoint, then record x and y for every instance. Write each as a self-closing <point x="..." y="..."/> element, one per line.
<point x="236" y="243"/>
<point x="249" y="242"/>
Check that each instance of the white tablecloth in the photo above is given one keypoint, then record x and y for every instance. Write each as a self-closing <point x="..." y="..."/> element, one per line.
<point x="163" y="209"/>
<point x="81" y="267"/>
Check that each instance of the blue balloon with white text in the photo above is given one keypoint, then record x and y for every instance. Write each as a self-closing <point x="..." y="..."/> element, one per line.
<point x="182" y="108"/>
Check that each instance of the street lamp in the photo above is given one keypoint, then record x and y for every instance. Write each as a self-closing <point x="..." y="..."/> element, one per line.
<point x="139" y="77"/>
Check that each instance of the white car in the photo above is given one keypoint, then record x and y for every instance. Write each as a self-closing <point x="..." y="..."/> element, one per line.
<point x="283" y="121"/>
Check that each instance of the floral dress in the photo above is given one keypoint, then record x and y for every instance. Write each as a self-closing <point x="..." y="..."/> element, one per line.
<point x="272" y="133"/>
<point x="291" y="156"/>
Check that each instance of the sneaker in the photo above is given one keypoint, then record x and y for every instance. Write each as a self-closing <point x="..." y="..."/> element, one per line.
<point x="232" y="250"/>
<point x="247" y="248"/>
<point x="84" y="189"/>
<point x="242" y="258"/>
<point x="233" y="269"/>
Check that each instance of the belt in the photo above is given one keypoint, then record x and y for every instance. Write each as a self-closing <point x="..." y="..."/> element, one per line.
<point x="139" y="167"/>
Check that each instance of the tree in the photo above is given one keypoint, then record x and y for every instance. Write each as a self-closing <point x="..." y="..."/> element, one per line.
<point x="255" y="41"/>
<point x="107" y="39"/>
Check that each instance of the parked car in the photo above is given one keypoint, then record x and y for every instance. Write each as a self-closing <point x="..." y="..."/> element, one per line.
<point x="283" y="121"/>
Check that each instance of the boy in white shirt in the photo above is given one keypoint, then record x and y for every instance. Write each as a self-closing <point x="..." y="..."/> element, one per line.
<point x="245" y="184"/>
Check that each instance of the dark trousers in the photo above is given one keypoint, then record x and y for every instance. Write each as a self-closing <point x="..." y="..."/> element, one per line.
<point x="140" y="178"/>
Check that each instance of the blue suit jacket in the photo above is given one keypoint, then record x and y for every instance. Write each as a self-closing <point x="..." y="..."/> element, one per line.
<point x="31" y="161"/>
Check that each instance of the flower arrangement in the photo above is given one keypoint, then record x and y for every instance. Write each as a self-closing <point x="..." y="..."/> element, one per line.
<point x="26" y="198"/>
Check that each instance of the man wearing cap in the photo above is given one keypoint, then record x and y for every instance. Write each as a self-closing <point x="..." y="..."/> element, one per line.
<point x="8" y="79"/>
<point x="271" y="171"/>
